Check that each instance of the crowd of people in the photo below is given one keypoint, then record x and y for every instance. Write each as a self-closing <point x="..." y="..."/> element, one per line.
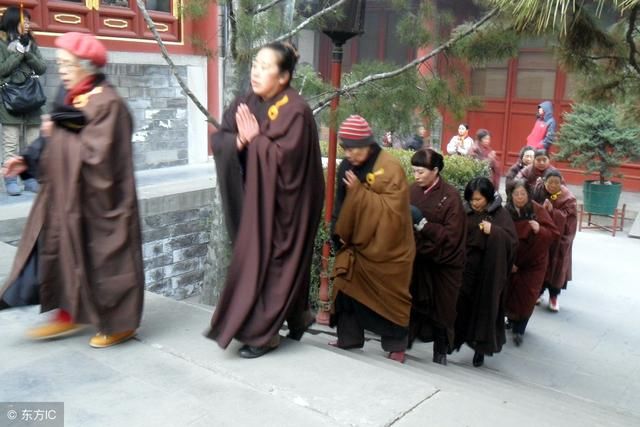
<point x="412" y="262"/>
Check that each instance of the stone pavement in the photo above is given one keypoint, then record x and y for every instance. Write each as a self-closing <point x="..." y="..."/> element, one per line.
<point x="580" y="367"/>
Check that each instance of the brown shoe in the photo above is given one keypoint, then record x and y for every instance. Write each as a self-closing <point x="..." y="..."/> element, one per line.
<point x="101" y="340"/>
<point x="54" y="329"/>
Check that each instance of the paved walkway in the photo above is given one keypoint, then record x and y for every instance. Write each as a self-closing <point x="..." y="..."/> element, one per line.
<point x="580" y="367"/>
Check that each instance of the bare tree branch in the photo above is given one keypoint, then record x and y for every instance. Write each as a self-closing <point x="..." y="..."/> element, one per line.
<point x="633" y="50"/>
<point x="266" y="7"/>
<point x="411" y="65"/>
<point x="309" y="20"/>
<point x="172" y="66"/>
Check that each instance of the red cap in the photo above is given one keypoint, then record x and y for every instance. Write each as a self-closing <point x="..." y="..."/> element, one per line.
<point x="84" y="46"/>
<point x="355" y="132"/>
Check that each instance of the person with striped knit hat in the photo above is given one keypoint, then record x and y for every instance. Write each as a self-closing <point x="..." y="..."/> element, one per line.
<point x="373" y="234"/>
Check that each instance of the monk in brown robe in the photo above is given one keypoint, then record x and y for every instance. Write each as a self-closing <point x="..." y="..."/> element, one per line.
<point x="562" y="206"/>
<point x="534" y="173"/>
<point x="526" y="157"/>
<point x="82" y="241"/>
<point x="440" y="233"/>
<point x="481" y="150"/>
<point x="536" y="232"/>
<point x="491" y="248"/>
<point x="278" y="155"/>
<point x="373" y="230"/>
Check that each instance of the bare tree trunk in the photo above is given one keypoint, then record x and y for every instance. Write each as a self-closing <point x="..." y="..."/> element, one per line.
<point x="218" y="254"/>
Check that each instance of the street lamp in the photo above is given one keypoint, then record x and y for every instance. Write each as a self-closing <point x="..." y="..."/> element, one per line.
<point x="348" y="23"/>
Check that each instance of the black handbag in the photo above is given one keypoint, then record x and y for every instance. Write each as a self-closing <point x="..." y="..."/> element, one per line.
<point x="23" y="98"/>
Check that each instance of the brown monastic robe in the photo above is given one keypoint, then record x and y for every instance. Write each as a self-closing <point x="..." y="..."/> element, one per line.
<point x="565" y="217"/>
<point x="268" y="279"/>
<point x="510" y="177"/>
<point x="439" y="264"/>
<point x="480" y="320"/>
<point x="532" y="175"/>
<point x="85" y="220"/>
<point x="374" y="264"/>
<point x="532" y="258"/>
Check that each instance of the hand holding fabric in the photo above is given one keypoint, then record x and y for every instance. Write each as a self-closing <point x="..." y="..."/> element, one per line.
<point x="535" y="226"/>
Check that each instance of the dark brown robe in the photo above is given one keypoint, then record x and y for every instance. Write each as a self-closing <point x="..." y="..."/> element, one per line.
<point x="532" y="258"/>
<point x="565" y="217"/>
<point x="480" y="320"/>
<point x="85" y="220"/>
<point x="374" y="264"/>
<point x="439" y="264"/>
<point x="268" y="279"/>
<point x="510" y="177"/>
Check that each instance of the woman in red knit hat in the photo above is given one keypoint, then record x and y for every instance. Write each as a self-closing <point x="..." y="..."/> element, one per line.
<point x="372" y="231"/>
<point x="80" y="253"/>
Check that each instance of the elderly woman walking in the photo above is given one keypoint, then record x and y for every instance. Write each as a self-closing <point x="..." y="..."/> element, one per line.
<point x="81" y="253"/>
<point x="376" y="249"/>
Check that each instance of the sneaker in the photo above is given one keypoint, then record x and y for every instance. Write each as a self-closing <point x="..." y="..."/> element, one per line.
<point x="11" y="184"/>
<point x="539" y="300"/>
<point x="103" y="340"/>
<point x="31" y="185"/>
<point x="55" y="329"/>
<point x="554" y="305"/>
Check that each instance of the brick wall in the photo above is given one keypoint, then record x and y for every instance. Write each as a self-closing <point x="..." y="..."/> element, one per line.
<point x="158" y="107"/>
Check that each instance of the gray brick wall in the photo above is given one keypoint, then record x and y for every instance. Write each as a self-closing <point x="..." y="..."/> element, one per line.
<point x="158" y="106"/>
<point x="174" y="251"/>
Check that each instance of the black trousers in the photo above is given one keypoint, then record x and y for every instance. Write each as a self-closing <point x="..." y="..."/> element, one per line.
<point x="519" y="326"/>
<point x="552" y="291"/>
<point x="352" y="318"/>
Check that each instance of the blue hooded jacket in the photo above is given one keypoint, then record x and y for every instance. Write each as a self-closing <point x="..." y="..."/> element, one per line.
<point x="550" y="136"/>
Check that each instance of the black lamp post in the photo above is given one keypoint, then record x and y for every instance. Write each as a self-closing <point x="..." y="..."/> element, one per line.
<point x="348" y="23"/>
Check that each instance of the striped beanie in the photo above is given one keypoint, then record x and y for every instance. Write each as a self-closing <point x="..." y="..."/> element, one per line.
<point x="355" y="132"/>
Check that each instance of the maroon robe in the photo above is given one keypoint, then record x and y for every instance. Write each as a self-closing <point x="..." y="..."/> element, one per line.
<point x="439" y="264"/>
<point x="532" y="175"/>
<point x="480" y="320"/>
<point x="532" y="258"/>
<point x="565" y="216"/>
<point x="268" y="279"/>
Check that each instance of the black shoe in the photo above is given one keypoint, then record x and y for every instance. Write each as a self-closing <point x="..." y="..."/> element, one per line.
<point x="251" y="352"/>
<point x="4" y="305"/>
<point x="478" y="359"/>
<point x="440" y="358"/>
<point x="517" y="339"/>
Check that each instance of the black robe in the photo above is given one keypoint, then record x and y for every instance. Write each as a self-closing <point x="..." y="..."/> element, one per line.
<point x="439" y="264"/>
<point x="480" y="321"/>
<point x="268" y="279"/>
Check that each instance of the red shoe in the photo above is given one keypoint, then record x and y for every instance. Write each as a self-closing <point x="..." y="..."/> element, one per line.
<point x="398" y="356"/>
